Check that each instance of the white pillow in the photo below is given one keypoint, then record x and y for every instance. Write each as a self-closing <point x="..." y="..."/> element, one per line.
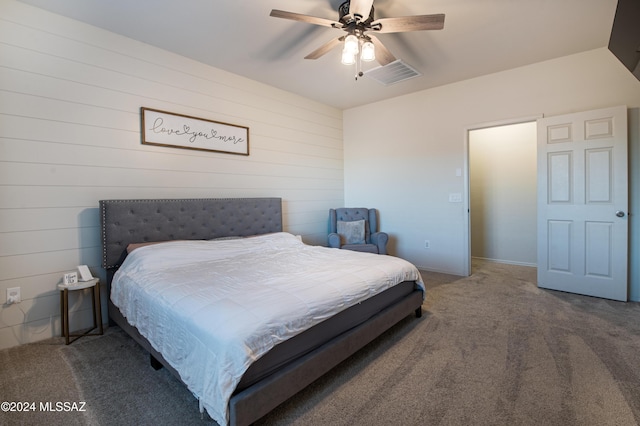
<point x="351" y="232"/>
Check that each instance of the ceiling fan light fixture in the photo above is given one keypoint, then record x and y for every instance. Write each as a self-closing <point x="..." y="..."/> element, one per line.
<point x="368" y="53"/>
<point x="351" y="44"/>
<point x="356" y="18"/>
<point x="348" y="57"/>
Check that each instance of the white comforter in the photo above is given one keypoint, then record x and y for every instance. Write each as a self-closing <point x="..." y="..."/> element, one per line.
<point x="213" y="307"/>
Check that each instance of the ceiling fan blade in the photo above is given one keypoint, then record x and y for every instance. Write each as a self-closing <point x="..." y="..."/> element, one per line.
<point x="305" y="18"/>
<point x="360" y="7"/>
<point x="325" y="48"/>
<point x="383" y="56"/>
<point x="409" y="23"/>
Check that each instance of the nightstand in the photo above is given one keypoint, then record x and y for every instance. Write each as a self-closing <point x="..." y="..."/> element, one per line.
<point x="94" y="284"/>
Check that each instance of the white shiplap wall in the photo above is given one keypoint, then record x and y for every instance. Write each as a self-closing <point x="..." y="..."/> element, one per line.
<point x="70" y="98"/>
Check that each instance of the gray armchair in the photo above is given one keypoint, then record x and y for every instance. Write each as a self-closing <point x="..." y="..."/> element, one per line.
<point x="356" y="229"/>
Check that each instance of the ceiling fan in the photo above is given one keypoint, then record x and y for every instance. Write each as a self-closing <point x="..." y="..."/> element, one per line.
<point x="356" y="18"/>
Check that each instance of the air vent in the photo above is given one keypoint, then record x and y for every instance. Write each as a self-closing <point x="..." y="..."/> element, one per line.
<point x="392" y="73"/>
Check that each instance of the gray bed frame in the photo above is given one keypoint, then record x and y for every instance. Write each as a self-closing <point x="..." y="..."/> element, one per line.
<point x="136" y="221"/>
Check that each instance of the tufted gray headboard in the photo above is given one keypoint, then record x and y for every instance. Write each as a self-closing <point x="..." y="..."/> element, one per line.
<point x="136" y="221"/>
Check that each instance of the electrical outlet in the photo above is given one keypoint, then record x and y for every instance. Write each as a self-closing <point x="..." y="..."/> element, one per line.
<point x="13" y="295"/>
<point x="427" y="244"/>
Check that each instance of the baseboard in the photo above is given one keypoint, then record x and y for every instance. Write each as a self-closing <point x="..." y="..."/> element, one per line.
<point x="508" y="262"/>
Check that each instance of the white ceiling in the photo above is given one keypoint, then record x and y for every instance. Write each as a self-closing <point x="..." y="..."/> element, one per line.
<point x="479" y="37"/>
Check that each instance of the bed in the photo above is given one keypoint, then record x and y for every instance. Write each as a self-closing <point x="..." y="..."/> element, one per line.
<point x="225" y="232"/>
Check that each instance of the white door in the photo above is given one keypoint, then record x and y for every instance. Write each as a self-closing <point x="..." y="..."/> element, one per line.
<point x="583" y="202"/>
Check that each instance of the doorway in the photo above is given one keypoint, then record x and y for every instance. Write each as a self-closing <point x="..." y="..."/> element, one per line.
<point x="502" y="188"/>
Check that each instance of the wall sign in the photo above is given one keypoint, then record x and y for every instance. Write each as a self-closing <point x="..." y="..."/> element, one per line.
<point x="182" y="131"/>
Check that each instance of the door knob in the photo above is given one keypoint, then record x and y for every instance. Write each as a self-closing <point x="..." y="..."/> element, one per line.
<point x="620" y="213"/>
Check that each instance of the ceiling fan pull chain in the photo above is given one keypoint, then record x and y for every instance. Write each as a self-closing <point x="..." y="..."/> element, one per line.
<point x="359" y="72"/>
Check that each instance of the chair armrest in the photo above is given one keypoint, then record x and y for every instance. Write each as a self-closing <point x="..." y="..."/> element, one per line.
<point x="380" y="239"/>
<point x="334" y="240"/>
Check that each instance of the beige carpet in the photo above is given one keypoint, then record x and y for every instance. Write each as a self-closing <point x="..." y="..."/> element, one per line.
<point x="491" y="349"/>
